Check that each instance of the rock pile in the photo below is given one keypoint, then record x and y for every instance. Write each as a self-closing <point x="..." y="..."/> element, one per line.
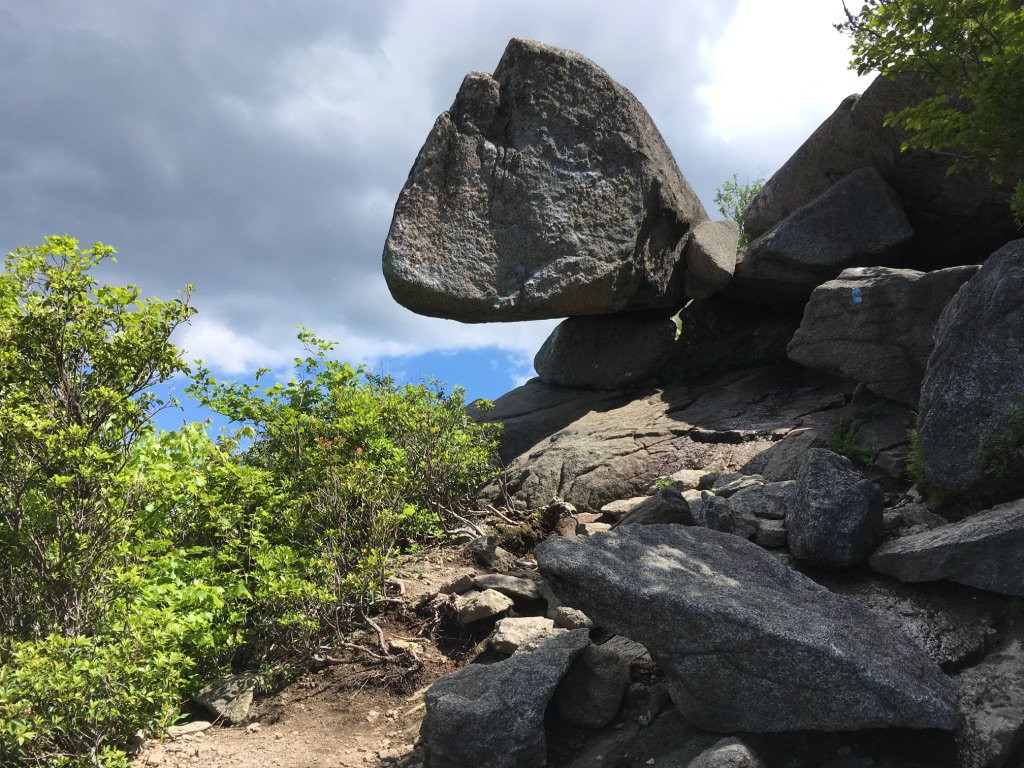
<point x="754" y="561"/>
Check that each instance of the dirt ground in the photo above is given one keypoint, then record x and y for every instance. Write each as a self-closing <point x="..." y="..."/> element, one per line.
<point x="353" y="713"/>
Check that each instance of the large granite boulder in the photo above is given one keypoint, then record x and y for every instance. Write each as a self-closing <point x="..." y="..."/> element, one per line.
<point x="493" y="714"/>
<point x="544" y="191"/>
<point x="856" y="222"/>
<point x="606" y="351"/>
<point x="746" y="643"/>
<point x="975" y="378"/>
<point x="874" y="325"/>
<point x="835" y="520"/>
<point x="956" y="218"/>
<point x="984" y="551"/>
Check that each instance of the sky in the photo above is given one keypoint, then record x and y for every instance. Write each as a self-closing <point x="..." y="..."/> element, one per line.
<point x="256" y="149"/>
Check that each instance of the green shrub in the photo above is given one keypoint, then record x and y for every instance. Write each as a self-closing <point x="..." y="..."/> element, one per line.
<point x="844" y="442"/>
<point x="732" y="199"/>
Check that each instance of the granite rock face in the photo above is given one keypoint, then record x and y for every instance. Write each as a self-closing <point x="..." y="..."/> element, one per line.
<point x="606" y="351"/>
<point x="544" y="191"/>
<point x="874" y="325"/>
<point x="956" y="219"/>
<point x="836" y="518"/>
<point x="984" y="551"/>
<point x="746" y="643"/>
<point x="975" y="375"/>
<point x="856" y="222"/>
<point x="493" y="714"/>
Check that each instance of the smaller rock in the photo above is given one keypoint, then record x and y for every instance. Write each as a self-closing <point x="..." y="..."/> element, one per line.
<point x="477" y="606"/>
<point x="571" y="618"/>
<point x="623" y="507"/>
<point x="589" y="529"/>
<point x="691" y="479"/>
<point x="733" y="482"/>
<point x="485" y="550"/>
<point x="196" y="726"/>
<point x="770" y="501"/>
<point x="512" y="586"/>
<point x="719" y="514"/>
<point x="771" y="534"/>
<point x="560" y="518"/>
<point x="591" y="691"/>
<point x="728" y="753"/>
<point x="456" y="586"/>
<point x="711" y="257"/>
<point x="667" y="506"/>
<point x="522" y="634"/>
<point x="228" y="698"/>
<point x="837" y="519"/>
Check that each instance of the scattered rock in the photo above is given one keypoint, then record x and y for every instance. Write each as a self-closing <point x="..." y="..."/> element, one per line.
<point x="771" y="534"/>
<point x="836" y="521"/>
<point x="591" y="691"/>
<point x="589" y="529"/>
<point x="493" y="714"/>
<point x="228" y="698"/>
<point x="623" y="507"/>
<point x="477" y="606"/>
<point x="982" y="551"/>
<point x="857" y="222"/>
<point x="485" y="550"/>
<point x="615" y="352"/>
<point x="746" y="643"/>
<point x="196" y="726"/>
<point x="975" y="377"/>
<point x="522" y="634"/>
<point x="571" y="618"/>
<point x="666" y="506"/>
<point x="690" y="480"/>
<point x="770" y="501"/>
<point x="727" y="753"/>
<point x="711" y="257"/>
<point x="458" y="585"/>
<point x="544" y="191"/>
<point x="874" y="325"/>
<point x="733" y="482"/>
<point x="511" y="586"/>
<point x="719" y="515"/>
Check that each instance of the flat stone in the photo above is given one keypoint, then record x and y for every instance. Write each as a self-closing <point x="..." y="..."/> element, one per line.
<point x="511" y="586"/>
<point x="477" y="606"/>
<point x="493" y="714"/>
<point x="196" y="726"/>
<point x="544" y="191"/>
<point x="513" y="635"/>
<point x="982" y="551"/>
<point x="746" y="643"/>
<point x="622" y="507"/>
<point x="666" y="506"/>
<point x="589" y="529"/>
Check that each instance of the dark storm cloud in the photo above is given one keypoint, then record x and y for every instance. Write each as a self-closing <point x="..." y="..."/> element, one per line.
<point x="256" y="149"/>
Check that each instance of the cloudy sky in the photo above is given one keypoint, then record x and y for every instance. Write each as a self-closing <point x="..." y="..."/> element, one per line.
<point x="256" y="149"/>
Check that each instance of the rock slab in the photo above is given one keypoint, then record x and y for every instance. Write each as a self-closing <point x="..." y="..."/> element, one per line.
<point x="493" y="714"/>
<point x="544" y="191"/>
<point x="874" y="325"/>
<point x="975" y="375"/>
<point x="984" y="551"/>
<point x="746" y="643"/>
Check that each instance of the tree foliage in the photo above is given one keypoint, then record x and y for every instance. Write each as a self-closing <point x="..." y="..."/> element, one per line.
<point x="970" y="55"/>
<point x="732" y="199"/>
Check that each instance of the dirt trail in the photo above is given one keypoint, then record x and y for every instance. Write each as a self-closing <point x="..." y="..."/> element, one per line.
<point x="349" y="715"/>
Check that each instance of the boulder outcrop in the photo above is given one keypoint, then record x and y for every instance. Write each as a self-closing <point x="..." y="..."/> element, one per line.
<point x="983" y="551"/>
<point x="974" y="382"/>
<point x="544" y="191"/>
<point x="856" y="222"/>
<point x="746" y="643"/>
<point x="874" y="325"/>
<point x="956" y="219"/>
<point x="493" y="714"/>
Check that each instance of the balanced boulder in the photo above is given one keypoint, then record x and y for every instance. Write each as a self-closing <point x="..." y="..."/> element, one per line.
<point x="836" y="518"/>
<point x="874" y="325"/>
<point x="746" y="643"/>
<point x="974" y="383"/>
<point x="711" y="257"/>
<point x="544" y="191"/>
<point x="607" y="351"/>
<point x="856" y="222"/>
<point x="493" y="714"/>
<point x="984" y="551"/>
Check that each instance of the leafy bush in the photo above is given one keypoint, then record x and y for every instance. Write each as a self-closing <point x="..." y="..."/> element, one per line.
<point x="970" y="55"/>
<point x="732" y="199"/>
<point x="368" y="467"/>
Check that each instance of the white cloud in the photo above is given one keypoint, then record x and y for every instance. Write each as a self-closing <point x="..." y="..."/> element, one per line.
<point x="225" y="350"/>
<point x="777" y="69"/>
